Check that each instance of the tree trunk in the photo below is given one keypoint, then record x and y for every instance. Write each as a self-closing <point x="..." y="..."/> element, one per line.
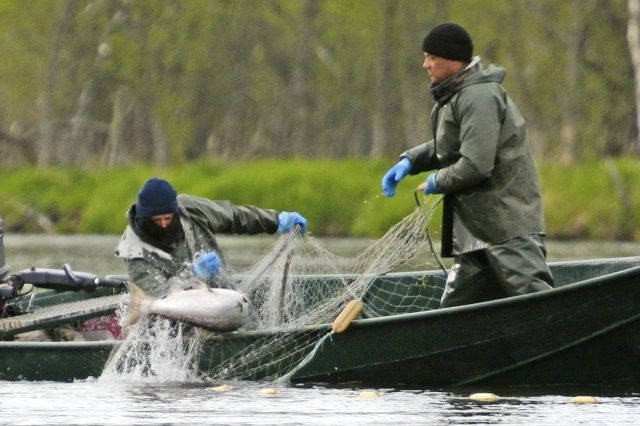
<point x="160" y="144"/>
<point x="81" y="144"/>
<point x="16" y="146"/>
<point x="568" y="133"/>
<point x="235" y="130"/>
<point x="122" y="109"/>
<point x="300" y="84"/>
<point x="414" y="80"/>
<point x="633" y="39"/>
<point x="47" y="141"/>
<point x="518" y="48"/>
<point x="133" y="135"/>
<point x="385" y="102"/>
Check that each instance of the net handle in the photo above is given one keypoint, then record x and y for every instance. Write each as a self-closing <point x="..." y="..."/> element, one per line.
<point x="420" y="188"/>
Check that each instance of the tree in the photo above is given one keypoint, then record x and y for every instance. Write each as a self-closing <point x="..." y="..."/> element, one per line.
<point x="633" y="37"/>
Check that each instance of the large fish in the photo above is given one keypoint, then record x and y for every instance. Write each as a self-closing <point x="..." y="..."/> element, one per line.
<point x="217" y="309"/>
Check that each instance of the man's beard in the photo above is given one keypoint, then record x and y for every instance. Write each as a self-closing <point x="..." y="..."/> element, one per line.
<point x="165" y="239"/>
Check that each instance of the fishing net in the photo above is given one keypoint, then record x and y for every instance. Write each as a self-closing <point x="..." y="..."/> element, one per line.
<point x="295" y="289"/>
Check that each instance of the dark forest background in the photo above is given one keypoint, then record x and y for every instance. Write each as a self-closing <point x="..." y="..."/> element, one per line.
<point x="95" y="83"/>
<point x="300" y="105"/>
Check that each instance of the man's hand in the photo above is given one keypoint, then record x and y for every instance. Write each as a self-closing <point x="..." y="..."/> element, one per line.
<point x="395" y="175"/>
<point x="207" y="265"/>
<point x="288" y="220"/>
<point x="431" y="185"/>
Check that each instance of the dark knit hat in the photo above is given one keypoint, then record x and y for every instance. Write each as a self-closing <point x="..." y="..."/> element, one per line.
<point x="449" y="41"/>
<point x="157" y="196"/>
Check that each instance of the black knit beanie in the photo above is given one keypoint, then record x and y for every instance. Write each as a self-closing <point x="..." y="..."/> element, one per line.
<point x="157" y="196"/>
<point x="449" y="41"/>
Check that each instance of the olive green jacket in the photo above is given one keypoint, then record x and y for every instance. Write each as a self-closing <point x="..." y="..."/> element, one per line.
<point x="154" y="270"/>
<point x="485" y="167"/>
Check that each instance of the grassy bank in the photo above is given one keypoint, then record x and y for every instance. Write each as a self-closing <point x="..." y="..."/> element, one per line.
<point x="599" y="199"/>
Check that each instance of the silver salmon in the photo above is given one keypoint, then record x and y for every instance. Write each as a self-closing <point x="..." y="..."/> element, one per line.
<point x="217" y="309"/>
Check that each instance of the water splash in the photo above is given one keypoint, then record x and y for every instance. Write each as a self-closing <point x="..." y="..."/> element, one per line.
<point x="155" y="350"/>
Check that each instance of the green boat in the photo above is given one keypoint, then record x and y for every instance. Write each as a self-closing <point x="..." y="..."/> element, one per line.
<point x="586" y="331"/>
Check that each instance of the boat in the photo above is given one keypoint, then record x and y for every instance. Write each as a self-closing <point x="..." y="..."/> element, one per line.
<point x="586" y="331"/>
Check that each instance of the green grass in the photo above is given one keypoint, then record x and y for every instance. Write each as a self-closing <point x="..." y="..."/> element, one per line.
<point x="585" y="202"/>
<point x="338" y="197"/>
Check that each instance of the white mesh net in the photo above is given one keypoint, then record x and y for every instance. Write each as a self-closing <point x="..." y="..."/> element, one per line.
<point x="295" y="289"/>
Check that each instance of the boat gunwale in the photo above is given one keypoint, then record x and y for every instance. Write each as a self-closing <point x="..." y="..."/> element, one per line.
<point x="512" y="300"/>
<point x="56" y="345"/>
<point x="372" y="322"/>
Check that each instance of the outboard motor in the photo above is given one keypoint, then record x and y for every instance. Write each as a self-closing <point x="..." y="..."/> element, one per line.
<point x="4" y="269"/>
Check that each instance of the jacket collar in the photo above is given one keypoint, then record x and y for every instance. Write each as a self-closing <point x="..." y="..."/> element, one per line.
<point x="131" y="246"/>
<point x="444" y="90"/>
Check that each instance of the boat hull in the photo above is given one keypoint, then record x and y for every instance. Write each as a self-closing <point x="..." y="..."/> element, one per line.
<point x="582" y="334"/>
<point x="587" y="333"/>
<point x="54" y="361"/>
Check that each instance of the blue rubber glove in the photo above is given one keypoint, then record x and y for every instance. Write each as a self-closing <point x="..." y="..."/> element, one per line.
<point x="287" y="221"/>
<point x="432" y="186"/>
<point x="207" y="265"/>
<point x="395" y="175"/>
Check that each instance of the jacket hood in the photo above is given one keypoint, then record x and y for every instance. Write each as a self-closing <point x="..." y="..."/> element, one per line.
<point x="483" y="74"/>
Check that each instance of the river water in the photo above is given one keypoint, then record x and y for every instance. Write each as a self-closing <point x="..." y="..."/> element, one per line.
<point x="195" y="402"/>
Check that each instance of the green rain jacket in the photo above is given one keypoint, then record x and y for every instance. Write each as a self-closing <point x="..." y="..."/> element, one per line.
<point x="152" y="269"/>
<point x="485" y="166"/>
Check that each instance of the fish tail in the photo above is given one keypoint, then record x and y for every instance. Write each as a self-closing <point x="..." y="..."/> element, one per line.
<point x="136" y="298"/>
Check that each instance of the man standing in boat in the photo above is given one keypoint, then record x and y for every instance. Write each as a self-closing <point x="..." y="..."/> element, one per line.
<point x="493" y="222"/>
<point x="172" y="237"/>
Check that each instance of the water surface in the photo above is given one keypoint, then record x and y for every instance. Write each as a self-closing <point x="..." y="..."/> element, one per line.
<point x="195" y="402"/>
<point x="94" y="253"/>
<point x="89" y="402"/>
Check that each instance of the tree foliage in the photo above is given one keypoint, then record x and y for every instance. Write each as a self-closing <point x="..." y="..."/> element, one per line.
<point x="114" y="82"/>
